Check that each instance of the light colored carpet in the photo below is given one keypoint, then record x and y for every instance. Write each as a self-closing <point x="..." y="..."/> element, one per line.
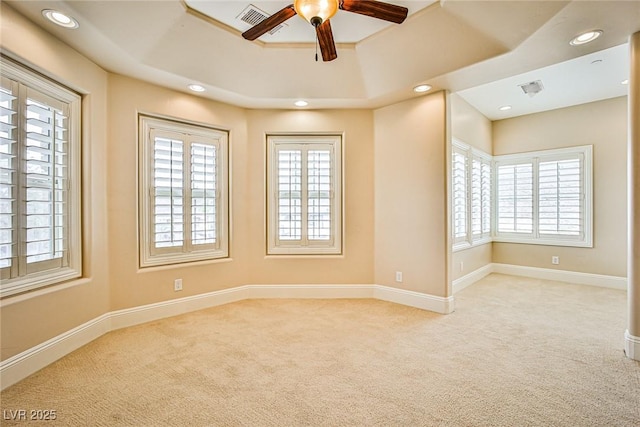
<point x="517" y="352"/>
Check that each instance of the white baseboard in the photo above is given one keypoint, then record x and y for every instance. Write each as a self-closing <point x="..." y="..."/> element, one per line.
<point x="631" y="346"/>
<point x="612" y="282"/>
<point x="29" y="361"/>
<point x="437" y="304"/>
<point x="32" y="360"/>
<point x="471" y="278"/>
<point x="26" y="363"/>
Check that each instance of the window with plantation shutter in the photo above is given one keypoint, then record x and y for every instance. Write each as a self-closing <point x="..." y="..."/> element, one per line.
<point x="183" y="192"/>
<point x="40" y="218"/>
<point x="471" y="196"/>
<point x="304" y="186"/>
<point x="545" y="197"/>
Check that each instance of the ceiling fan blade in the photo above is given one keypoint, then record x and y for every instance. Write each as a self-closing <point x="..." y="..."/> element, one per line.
<point x="376" y="9"/>
<point x="270" y="23"/>
<point x="325" y="39"/>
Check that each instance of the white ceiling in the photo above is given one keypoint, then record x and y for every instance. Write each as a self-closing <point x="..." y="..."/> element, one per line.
<point x="481" y="49"/>
<point x="347" y="27"/>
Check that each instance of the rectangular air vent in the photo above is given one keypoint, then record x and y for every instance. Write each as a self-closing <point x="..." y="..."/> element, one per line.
<point x="253" y="15"/>
<point x="532" y="88"/>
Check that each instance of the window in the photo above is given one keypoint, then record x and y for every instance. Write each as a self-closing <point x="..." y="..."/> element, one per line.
<point x="544" y="197"/>
<point x="471" y="196"/>
<point x="40" y="212"/>
<point x="304" y="182"/>
<point x="183" y="192"/>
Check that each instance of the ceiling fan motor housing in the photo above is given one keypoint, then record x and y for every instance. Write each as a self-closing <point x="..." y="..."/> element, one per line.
<point x="316" y="21"/>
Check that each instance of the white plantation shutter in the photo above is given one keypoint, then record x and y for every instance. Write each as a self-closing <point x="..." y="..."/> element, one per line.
<point x="480" y="197"/>
<point x="485" y="188"/>
<point x="8" y="176"/>
<point x="560" y="201"/>
<point x="545" y="197"/>
<point x="40" y="219"/>
<point x="168" y="191"/>
<point x="204" y="194"/>
<point x="319" y="194"/>
<point x="45" y="181"/>
<point x="183" y="192"/>
<point x="304" y="180"/>
<point x="460" y="194"/>
<point x="289" y="194"/>
<point x="514" y="192"/>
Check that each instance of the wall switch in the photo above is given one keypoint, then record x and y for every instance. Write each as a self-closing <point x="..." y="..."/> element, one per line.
<point x="399" y="276"/>
<point x="177" y="285"/>
<point x="461" y="266"/>
<point x="555" y="260"/>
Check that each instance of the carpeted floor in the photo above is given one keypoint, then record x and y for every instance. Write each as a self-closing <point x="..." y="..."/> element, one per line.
<point x="517" y="352"/>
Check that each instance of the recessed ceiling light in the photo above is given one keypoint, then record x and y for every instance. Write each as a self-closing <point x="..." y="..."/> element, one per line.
<point x="60" y="18"/>
<point x="422" y="88"/>
<point x="625" y="82"/>
<point x="301" y="103"/>
<point x="196" y="88"/>
<point x="587" y="37"/>
<point x="505" y="108"/>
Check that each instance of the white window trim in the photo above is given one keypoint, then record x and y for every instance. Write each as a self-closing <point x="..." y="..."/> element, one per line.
<point x="586" y="151"/>
<point x="470" y="240"/>
<point x="152" y="257"/>
<point x="334" y="246"/>
<point x="73" y="270"/>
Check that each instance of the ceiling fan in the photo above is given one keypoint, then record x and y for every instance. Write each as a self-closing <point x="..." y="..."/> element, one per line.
<point x="318" y="13"/>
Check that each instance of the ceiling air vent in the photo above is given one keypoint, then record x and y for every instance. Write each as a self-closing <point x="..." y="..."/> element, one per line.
<point x="532" y="88"/>
<point x="252" y="16"/>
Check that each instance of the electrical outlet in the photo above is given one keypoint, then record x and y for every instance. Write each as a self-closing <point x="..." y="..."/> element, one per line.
<point x="177" y="285"/>
<point x="555" y="260"/>
<point x="399" y="276"/>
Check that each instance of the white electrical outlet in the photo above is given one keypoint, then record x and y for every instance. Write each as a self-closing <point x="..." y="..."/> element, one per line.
<point x="177" y="285"/>
<point x="399" y="276"/>
<point x="555" y="260"/>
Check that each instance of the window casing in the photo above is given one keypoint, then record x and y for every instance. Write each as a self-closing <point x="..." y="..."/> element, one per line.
<point x="471" y="196"/>
<point x="40" y="181"/>
<point x="184" y="192"/>
<point x="304" y="194"/>
<point x="544" y="197"/>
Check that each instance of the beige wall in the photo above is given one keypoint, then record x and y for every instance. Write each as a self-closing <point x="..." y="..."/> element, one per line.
<point x="604" y="125"/>
<point x="130" y="286"/>
<point x="248" y="264"/>
<point x="411" y="195"/>
<point x="356" y="263"/>
<point x="468" y="125"/>
<point x="28" y="320"/>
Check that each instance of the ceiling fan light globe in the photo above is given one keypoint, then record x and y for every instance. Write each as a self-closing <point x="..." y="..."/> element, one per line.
<point x="311" y="10"/>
